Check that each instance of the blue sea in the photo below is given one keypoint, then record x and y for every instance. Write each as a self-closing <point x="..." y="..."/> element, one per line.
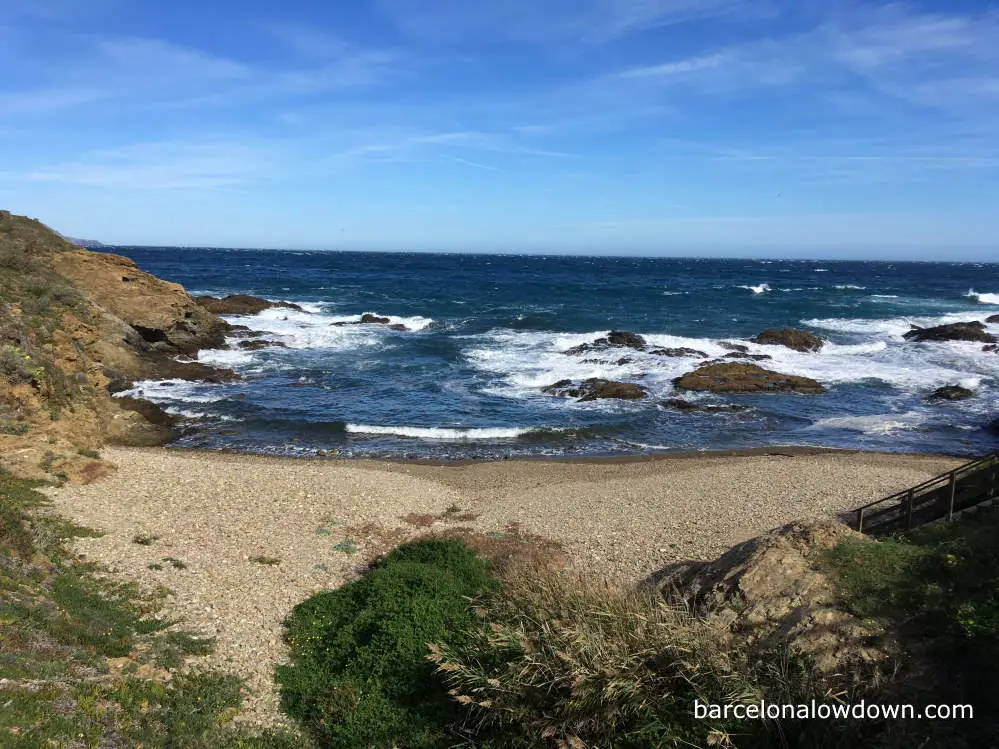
<point x="487" y="332"/>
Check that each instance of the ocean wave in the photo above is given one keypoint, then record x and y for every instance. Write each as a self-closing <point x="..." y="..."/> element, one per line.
<point x="875" y="424"/>
<point x="442" y="433"/>
<point x="763" y="288"/>
<point x="844" y="286"/>
<point x="983" y="298"/>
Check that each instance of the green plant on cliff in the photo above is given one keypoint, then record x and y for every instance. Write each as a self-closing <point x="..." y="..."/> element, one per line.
<point x="60" y="620"/>
<point x="358" y="674"/>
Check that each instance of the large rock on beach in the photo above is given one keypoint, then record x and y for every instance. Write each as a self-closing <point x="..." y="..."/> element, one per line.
<point x="595" y="389"/>
<point x="736" y="377"/>
<point x="958" y="331"/>
<point x="792" y="338"/>
<point x="951" y="393"/>
<point x="241" y="304"/>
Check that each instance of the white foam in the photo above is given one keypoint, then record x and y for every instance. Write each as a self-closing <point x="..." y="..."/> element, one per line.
<point x="875" y="424"/>
<point x="763" y="288"/>
<point x="159" y="391"/>
<point x="983" y="298"/>
<point x="441" y="433"/>
<point x="843" y="286"/>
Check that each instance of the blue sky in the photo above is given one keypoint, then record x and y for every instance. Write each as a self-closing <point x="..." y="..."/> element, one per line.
<point x="710" y="127"/>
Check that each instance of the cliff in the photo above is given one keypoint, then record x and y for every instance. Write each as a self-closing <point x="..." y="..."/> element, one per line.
<point x="75" y="326"/>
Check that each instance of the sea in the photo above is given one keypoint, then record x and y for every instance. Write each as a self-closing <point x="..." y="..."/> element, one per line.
<point x="485" y="334"/>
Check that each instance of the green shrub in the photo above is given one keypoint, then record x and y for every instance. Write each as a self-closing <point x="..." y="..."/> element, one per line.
<point x="358" y="674"/>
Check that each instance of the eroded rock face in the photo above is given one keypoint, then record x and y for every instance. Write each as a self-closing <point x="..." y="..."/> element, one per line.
<point x="744" y="378"/>
<point x="952" y="393"/>
<point x="772" y="590"/>
<point x="792" y="338"/>
<point x="241" y="304"/>
<point x="958" y="331"/>
<point x="595" y="389"/>
<point x="160" y="312"/>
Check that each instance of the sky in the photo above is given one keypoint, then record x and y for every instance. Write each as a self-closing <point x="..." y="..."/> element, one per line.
<point x="802" y="128"/>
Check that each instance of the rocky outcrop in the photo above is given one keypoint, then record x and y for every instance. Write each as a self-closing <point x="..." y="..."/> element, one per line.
<point x="75" y="327"/>
<point x="615" y="339"/>
<point x="241" y="304"/>
<point x="951" y="393"/>
<point x="256" y="344"/>
<point x="958" y="331"/>
<point x="160" y="312"/>
<point x="992" y="319"/>
<point x="371" y="319"/>
<point x="744" y="378"/>
<point x="792" y="338"/>
<point x="772" y="590"/>
<point x="595" y="389"/>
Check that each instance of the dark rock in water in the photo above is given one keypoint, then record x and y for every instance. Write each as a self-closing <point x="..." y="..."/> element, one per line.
<point x="679" y="404"/>
<point x="258" y="344"/>
<point x="733" y="347"/>
<point x="792" y="338"/>
<point x="369" y="319"/>
<point x="241" y="304"/>
<point x="398" y="326"/>
<point x="744" y="378"/>
<point x="754" y="357"/>
<point x="958" y="331"/>
<point x="990" y="348"/>
<point x="619" y="363"/>
<point x="594" y="389"/>
<point x="992" y="319"/>
<point x="166" y="368"/>
<point x="951" y="393"/>
<point x="627" y="340"/>
<point x="616" y="339"/>
<point x="678" y="352"/>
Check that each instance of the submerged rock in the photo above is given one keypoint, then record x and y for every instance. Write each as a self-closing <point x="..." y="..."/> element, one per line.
<point x="958" y="331"/>
<point x="678" y="352"/>
<point x="595" y="388"/>
<point x="680" y="404"/>
<point x="952" y="393"/>
<point x="754" y="357"/>
<point x="992" y="319"/>
<point x="744" y="378"/>
<point x="369" y="318"/>
<point x="728" y="346"/>
<point x="241" y="304"/>
<point x="792" y="338"/>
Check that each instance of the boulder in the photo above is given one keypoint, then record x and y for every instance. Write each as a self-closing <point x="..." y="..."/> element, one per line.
<point x="369" y="319"/>
<point x="990" y="348"/>
<point x="735" y="377"/>
<point x="241" y="304"/>
<point x="992" y="319"/>
<point x="595" y="389"/>
<point x="958" y="331"/>
<point x="615" y="339"/>
<point x="678" y="352"/>
<point x="139" y="423"/>
<point x="792" y="338"/>
<point x="952" y="393"/>
<point x="733" y="346"/>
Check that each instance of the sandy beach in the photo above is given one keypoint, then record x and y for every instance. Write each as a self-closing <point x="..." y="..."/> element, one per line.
<point x="239" y="540"/>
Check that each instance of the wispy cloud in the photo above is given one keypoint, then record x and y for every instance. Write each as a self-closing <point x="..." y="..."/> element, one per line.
<point x="541" y="21"/>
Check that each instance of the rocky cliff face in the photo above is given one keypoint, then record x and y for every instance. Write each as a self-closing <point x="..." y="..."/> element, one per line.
<point x="74" y="325"/>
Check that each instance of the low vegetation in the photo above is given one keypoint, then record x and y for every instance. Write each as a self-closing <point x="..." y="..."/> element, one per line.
<point x="86" y="662"/>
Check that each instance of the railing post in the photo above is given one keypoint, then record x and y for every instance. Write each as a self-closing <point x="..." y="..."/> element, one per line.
<point x="909" y="498"/>
<point x="953" y="491"/>
<point x="860" y="520"/>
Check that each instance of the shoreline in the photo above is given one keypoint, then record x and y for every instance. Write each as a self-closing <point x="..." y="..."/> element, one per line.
<point x="319" y="522"/>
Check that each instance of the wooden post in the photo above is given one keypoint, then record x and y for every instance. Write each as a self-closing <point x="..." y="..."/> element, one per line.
<point x="860" y="520"/>
<point x="908" y="509"/>
<point x="953" y="491"/>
